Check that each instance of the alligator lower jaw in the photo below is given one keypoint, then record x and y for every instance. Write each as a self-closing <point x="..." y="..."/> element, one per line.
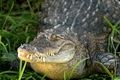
<point x="60" y="57"/>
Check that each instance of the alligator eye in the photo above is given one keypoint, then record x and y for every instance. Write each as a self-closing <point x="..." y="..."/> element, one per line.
<point x="53" y="37"/>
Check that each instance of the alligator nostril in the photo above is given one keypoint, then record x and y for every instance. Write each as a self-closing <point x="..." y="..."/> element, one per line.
<point x="27" y="47"/>
<point x="24" y="46"/>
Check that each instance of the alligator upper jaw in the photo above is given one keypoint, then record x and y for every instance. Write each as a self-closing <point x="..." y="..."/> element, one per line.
<point x="58" y="55"/>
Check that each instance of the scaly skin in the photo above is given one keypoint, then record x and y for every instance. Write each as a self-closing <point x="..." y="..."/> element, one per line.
<point x="72" y="31"/>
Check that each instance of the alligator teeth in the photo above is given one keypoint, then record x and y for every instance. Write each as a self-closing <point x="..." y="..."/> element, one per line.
<point x="27" y="56"/>
<point x="36" y="55"/>
<point x="31" y="57"/>
<point x="43" y="59"/>
<point x="50" y="54"/>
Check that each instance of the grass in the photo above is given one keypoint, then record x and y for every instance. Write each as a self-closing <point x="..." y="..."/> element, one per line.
<point x="73" y="69"/>
<point x="18" y="21"/>
<point x="17" y="26"/>
<point x="111" y="43"/>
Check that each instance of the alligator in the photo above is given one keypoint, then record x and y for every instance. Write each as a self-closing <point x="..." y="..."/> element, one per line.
<point x="71" y="31"/>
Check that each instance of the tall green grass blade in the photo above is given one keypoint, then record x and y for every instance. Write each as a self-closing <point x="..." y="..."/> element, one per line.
<point x="27" y="28"/>
<point x="43" y="78"/>
<point x="8" y="15"/>
<point x="30" y="6"/>
<point x="5" y="72"/>
<point x="114" y="28"/>
<point x="11" y="20"/>
<point x="0" y="38"/>
<point x="73" y="69"/>
<point x="118" y="78"/>
<point x="109" y="40"/>
<point x="29" y="78"/>
<point x="3" y="44"/>
<point x="111" y="45"/>
<point x="107" y="70"/>
<point x="22" y="70"/>
<point x="7" y="34"/>
<point x="112" y="25"/>
<point x="1" y="5"/>
<point x="20" y="67"/>
<point x="9" y="45"/>
<point x="27" y="40"/>
<point x="65" y="76"/>
<point x="117" y="25"/>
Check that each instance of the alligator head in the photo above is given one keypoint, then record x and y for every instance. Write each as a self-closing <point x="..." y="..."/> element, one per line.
<point x="53" y="52"/>
<point x="50" y="47"/>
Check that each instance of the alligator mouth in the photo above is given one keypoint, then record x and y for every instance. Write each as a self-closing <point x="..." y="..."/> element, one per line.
<point x="62" y="54"/>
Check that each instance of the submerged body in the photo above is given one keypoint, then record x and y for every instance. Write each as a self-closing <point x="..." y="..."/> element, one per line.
<point x="73" y="30"/>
